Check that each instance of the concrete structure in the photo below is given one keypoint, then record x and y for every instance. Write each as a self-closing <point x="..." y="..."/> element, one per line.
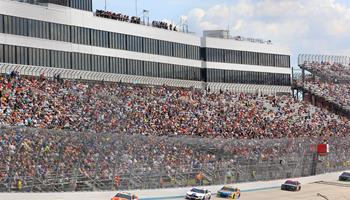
<point x="70" y="36"/>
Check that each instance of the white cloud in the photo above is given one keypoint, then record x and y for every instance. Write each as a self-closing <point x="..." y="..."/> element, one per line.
<point x="311" y="26"/>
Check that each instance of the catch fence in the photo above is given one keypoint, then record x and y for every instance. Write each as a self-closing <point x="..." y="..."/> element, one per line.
<point x="40" y="160"/>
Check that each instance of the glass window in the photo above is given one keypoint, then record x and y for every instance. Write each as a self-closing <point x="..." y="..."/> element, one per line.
<point x="12" y="25"/>
<point x="194" y="73"/>
<point x="122" y="66"/>
<point x="121" y="41"/>
<point x="93" y="37"/>
<point x="166" y="70"/>
<point x="1" y="23"/>
<point x="6" y="24"/>
<point x="39" y="29"/>
<point x="112" y="40"/>
<point x="2" y="58"/>
<point x="10" y="54"/>
<point x="134" y="67"/>
<point x="150" y="69"/>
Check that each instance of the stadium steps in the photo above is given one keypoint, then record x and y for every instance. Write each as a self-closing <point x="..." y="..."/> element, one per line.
<point x="135" y="181"/>
<point x="309" y="165"/>
<point x="208" y="174"/>
<point x="84" y="186"/>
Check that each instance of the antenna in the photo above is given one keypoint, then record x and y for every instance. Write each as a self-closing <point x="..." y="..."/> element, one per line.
<point x="105" y="5"/>
<point x="183" y="24"/>
<point x="146" y="16"/>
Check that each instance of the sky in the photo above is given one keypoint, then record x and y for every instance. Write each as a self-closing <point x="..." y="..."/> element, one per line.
<point x="304" y="26"/>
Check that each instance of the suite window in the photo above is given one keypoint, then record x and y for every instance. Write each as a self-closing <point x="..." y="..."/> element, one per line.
<point x="94" y="63"/>
<point x="121" y="41"/>
<point x="1" y="23"/>
<point x="10" y="54"/>
<point x="166" y="70"/>
<point x="7" y="25"/>
<point x="194" y="73"/>
<point x="2" y="58"/>
<point x="122" y="66"/>
<point x="151" y="69"/>
<point x="154" y="46"/>
<point x="135" y="67"/>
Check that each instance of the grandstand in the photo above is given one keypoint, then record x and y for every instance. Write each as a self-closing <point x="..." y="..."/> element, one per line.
<point x="325" y="82"/>
<point x="103" y="101"/>
<point x="56" y="36"/>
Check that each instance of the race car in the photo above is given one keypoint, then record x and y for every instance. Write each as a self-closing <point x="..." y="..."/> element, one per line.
<point x="198" y="194"/>
<point x="291" y="185"/>
<point x="229" y="192"/>
<point x="345" y="176"/>
<point x="124" y="196"/>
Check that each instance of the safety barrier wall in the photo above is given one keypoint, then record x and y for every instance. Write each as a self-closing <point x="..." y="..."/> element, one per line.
<point x="176" y="193"/>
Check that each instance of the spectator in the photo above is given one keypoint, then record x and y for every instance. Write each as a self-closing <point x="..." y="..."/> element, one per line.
<point x="102" y="130"/>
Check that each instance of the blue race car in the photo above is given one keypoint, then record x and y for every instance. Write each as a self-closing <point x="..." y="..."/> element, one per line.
<point x="345" y="176"/>
<point x="229" y="192"/>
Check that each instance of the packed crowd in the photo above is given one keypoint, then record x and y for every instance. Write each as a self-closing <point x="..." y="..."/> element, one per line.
<point x="134" y="20"/>
<point x="329" y="81"/>
<point x="121" y="129"/>
<point x="332" y="71"/>
<point x="336" y="93"/>
<point x="159" y="111"/>
<point x="164" y="25"/>
<point x="115" y="16"/>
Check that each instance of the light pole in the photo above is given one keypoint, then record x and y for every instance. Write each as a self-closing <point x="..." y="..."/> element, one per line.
<point x="136" y="7"/>
<point x="105" y="5"/>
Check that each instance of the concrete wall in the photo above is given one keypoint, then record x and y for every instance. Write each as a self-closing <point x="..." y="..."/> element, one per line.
<point x="176" y="193"/>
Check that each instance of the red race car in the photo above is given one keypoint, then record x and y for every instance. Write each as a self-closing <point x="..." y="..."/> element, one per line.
<point x="125" y="196"/>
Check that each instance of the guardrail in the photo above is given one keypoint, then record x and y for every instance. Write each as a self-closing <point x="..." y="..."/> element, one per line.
<point x="302" y="58"/>
<point x="50" y="72"/>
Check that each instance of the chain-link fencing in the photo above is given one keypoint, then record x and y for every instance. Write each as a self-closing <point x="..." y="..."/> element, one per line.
<point x="39" y="160"/>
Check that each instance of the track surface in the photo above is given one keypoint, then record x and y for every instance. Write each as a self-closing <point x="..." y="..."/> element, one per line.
<point x="333" y="190"/>
<point x="339" y="191"/>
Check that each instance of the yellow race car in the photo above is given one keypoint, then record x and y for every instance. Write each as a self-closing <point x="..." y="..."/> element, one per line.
<point x="229" y="192"/>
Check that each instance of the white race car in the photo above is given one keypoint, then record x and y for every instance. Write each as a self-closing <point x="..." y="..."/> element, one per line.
<point x="198" y="194"/>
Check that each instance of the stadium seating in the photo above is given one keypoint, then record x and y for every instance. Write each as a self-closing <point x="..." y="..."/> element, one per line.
<point x="332" y="71"/>
<point x="67" y="132"/>
<point x="158" y="111"/>
<point x="329" y="81"/>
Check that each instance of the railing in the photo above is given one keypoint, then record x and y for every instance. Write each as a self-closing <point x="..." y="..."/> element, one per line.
<point x="221" y="162"/>
<point x="50" y="72"/>
<point x="302" y="58"/>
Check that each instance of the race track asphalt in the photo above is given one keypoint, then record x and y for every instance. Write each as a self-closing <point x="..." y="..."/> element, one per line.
<point x="331" y="190"/>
